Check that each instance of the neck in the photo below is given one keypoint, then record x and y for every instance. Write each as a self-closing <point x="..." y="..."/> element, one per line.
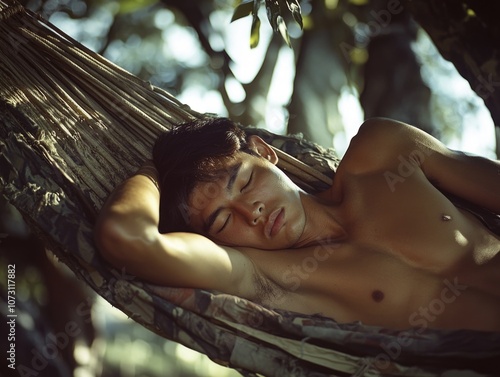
<point x="323" y="223"/>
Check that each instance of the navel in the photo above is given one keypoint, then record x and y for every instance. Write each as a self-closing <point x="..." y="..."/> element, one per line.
<point x="377" y="295"/>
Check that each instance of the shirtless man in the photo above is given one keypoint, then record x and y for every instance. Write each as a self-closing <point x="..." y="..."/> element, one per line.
<point x="383" y="245"/>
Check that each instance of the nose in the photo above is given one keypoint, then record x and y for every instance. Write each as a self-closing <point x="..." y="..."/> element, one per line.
<point x="251" y="210"/>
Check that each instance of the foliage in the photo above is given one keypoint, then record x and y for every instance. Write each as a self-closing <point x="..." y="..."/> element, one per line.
<point x="364" y="48"/>
<point x="274" y="14"/>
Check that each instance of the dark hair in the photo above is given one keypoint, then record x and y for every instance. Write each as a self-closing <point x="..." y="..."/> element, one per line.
<point x="189" y="153"/>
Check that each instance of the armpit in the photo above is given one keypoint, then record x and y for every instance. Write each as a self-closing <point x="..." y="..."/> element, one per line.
<point x="266" y="291"/>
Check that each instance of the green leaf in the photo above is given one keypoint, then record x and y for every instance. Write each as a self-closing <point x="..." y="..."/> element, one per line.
<point x="243" y="10"/>
<point x="129" y="6"/>
<point x="276" y="20"/>
<point x="273" y="11"/>
<point x="294" y="8"/>
<point x="255" y="32"/>
<point x="283" y="30"/>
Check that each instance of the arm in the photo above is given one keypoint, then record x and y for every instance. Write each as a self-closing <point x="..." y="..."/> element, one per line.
<point x="474" y="178"/>
<point x="127" y="236"/>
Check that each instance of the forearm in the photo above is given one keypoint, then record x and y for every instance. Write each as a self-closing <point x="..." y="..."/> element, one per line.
<point x="473" y="178"/>
<point x="128" y="237"/>
<point x="129" y="240"/>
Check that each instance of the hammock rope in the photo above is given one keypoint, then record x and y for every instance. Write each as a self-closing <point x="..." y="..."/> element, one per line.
<point x="74" y="125"/>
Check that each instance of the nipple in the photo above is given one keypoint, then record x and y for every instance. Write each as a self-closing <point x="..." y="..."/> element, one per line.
<point x="377" y="295"/>
<point x="445" y="217"/>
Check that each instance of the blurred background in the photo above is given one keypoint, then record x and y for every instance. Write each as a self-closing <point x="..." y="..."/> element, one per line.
<point x="352" y="60"/>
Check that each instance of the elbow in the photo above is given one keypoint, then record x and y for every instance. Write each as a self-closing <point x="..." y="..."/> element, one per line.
<point x="129" y="249"/>
<point x="126" y="242"/>
<point x="108" y="240"/>
<point x="120" y="242"/>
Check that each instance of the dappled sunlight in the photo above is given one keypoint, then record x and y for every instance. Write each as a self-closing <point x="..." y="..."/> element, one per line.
<point x="182" y="45"/>
<point x="459" y="113"/>
<point x="352" y="117"/>
<point x="246" y="62"/>
<point x="203" y="101"/>
<point x="129" y="349"/>
<point x="460" y="238"/>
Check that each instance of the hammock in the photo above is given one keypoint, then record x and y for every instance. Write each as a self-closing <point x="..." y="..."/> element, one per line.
<point x="73" y="126"/>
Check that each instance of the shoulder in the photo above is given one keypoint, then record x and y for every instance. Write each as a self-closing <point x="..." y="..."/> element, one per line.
<point x="384" y="135"/>
<point x="381" y="143"/>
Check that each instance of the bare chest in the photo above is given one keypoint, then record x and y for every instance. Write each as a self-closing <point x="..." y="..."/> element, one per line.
<point x="411" y="259"/>
<point x="354" y="283"/>
<point x="417" y="224"/>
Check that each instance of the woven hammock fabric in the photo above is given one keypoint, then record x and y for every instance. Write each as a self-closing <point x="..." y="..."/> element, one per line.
<point x="73" y="125"/>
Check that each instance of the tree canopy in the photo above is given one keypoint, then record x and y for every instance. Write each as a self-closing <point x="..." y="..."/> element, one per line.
<point x="348" y="60"/>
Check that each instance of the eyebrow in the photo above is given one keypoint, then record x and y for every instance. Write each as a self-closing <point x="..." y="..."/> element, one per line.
<point x="233" y="173"/>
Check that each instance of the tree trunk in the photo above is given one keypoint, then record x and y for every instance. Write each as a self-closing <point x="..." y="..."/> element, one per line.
<point x="318" y="83"/>
<point x="467" y="33"/>
<point x="393" y="86"/>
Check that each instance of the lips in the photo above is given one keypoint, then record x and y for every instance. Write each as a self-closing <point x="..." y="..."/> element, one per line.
<point x="274" y="222"/>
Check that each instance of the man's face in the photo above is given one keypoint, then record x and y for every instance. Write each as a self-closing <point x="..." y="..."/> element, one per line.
<point x="252" y="204"/>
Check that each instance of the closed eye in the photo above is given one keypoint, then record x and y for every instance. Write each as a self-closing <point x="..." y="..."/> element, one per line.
<point x="225" y="224"/>
<point x="248" y="182"/>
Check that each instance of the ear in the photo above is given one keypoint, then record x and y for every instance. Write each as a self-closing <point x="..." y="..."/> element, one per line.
<point x="263" y="149"/>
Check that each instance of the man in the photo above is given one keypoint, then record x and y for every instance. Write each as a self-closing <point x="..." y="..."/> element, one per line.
<point x="383" y="245"/>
